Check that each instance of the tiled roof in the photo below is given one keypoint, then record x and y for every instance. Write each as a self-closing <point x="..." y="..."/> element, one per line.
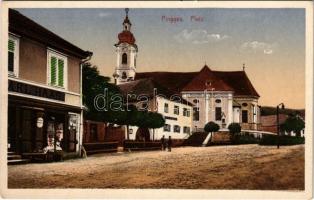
<point x="173" y="81"/>
<point x="206" y="80"/>
<point x="239" y="82"/>
<point x="23" y="26"/>
<point x="147" y="87"/>
<point x="236" y="81"/>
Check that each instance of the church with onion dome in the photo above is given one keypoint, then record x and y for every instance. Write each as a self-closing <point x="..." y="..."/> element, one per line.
<point x="206" y="95"/>
<point x="126" y="50"/>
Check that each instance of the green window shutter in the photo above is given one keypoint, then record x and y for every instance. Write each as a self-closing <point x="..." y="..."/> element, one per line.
<point x="60" y="72"/>
<point x="53" y="70"/>
<point x="11" y="45"/>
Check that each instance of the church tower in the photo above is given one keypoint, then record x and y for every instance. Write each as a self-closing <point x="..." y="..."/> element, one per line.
<point x="126" y="51"/>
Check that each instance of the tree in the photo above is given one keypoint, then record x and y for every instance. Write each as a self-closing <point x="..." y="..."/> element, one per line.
<point x="157" y="121"/>
<point x="234" y="128"/>
<point x="132" y="118"/>
<point x="93" y="85"/>
<point x="293" y="123"/>
<point x="211" y="127"/>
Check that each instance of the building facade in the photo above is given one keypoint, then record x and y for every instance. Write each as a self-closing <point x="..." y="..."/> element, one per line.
<point x="44" y="92"/>
<point x="220" y="96"/>
<point x="150" y="96"/>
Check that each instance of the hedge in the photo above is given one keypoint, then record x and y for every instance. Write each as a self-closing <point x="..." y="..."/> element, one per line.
<point x="141" y="145"/>
<point x="283" y="140"/>
<point x="244" y="139"/>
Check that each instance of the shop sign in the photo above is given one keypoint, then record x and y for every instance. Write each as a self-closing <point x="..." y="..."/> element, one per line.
<point x="33" y="90"/>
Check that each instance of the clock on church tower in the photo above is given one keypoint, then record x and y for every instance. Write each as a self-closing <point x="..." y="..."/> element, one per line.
<point x="126" y="50"/>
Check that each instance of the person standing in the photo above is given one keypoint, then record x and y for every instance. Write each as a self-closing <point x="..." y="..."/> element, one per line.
<point x="169" y="144"/>
<point x="162" y="140"/>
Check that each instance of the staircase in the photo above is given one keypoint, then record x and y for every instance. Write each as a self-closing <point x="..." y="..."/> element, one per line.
<point x="15" y="159"/>
<point x="205" y="142"/>
<point x="196" y="139"/>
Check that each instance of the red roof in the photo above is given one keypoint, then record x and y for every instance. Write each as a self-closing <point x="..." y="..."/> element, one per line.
<point x="236" y="81"/>
<point x="126" y="37"/>
<point x="173" y="81"/>
<point x="239" y="82"/>
<point x="206" y="80"/>
<point x="148" y="87"/>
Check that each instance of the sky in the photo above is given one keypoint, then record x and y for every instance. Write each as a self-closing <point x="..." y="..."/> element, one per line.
<point x="271" y="42"/>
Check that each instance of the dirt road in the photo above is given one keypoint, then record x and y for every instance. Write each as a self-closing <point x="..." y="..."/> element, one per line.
<point x="219" y="167"/>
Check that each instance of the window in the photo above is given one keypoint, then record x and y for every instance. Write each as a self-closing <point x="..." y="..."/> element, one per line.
<point x="176" y="129"/>
<point x="186" y="129"/>
<point x="124" y="75"/>
<point x="218" y="100"/>
<point x="57" y="69"/>
<point x="167" y="128"/>
<point x="186" y="112"/>
<point x="196" y="114"/>
<point x="124" y="58"/>
<point x="244" y="104"/>
<point x="13" y="55"/>
<point x="176" y="110"/>
<point x="254" y="113"/>
<point x="166" y="108"/>
<point x="218" y="113"/>
<point x="244" y="116"/>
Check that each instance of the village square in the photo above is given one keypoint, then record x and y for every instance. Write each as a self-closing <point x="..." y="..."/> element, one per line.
<point x="72" y="126"/>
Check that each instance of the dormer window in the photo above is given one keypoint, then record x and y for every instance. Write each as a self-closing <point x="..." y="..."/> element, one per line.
<point x="57" y="69"/>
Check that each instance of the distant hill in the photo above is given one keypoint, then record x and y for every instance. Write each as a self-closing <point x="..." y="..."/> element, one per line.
<point x="267" y="110"/>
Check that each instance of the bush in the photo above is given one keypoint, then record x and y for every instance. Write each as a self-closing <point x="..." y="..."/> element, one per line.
<point x="283" y="140"/>
<point x="211" y="127"/>
<point x="245" y="138"/>
<point x="234" y="128"/>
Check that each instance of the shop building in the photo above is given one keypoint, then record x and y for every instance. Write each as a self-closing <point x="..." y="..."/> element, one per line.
<point x="44" y="89"/>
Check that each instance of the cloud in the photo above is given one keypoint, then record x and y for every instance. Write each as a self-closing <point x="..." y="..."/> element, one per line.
<point x="199" y="36"/>
<point x="258" y="47"/>
<point x="103" y="14"/>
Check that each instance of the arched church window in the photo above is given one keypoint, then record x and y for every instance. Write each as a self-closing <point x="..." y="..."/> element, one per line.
<point x="124" y="75"/>
<point x="124" y="58"/>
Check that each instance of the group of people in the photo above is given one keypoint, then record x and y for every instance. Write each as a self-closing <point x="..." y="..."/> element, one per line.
<point x="166" y="143"/>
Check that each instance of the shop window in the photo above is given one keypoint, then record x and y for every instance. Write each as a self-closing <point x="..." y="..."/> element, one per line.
<point x="176" y="129"/>
<point x="57" y="68"/>
<point x="13" y="55"/>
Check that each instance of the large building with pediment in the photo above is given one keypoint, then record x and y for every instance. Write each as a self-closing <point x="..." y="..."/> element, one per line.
<point x="220" y="96"/>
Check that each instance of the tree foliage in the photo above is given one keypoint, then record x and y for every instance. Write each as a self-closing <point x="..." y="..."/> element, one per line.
<point x="93" y="85"/>
<point x="293" y="123"/>
<point x="211" y="127"/>
<point x="234" y="128"/>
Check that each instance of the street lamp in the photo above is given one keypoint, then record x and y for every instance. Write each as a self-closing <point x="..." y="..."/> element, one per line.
<point x="282" y="106"/>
